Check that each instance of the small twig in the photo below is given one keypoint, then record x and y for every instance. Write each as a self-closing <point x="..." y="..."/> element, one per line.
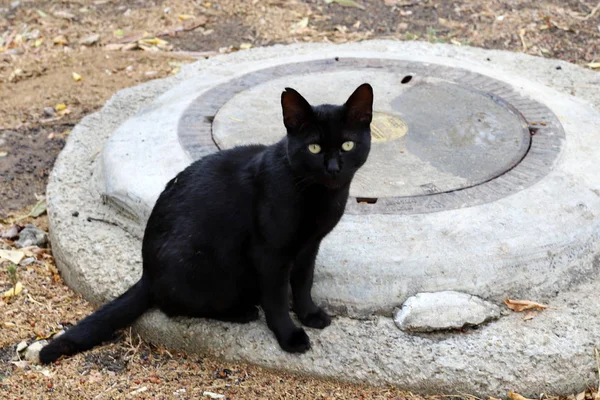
<point x="192" y="54"/>
<point x="522" y="36"/>
<point x="590" y="15"/>
<point x="35" y="301"/>
<point x="182" y="28"/>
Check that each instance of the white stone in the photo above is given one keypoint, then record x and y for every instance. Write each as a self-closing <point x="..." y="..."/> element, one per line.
<point x="430" y="312"/>
<point x="32" y="354"/>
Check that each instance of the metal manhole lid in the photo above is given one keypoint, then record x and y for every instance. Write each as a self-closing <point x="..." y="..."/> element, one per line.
<point x="442" y="137"/>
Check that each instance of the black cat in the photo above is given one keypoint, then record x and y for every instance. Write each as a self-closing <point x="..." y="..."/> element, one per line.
<point x="232" y="230"/>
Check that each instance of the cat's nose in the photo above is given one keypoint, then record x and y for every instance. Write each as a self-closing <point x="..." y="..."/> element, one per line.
<point x="333" y="167"/>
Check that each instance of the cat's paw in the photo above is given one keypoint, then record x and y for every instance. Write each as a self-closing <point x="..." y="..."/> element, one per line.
<point x="319" y="319"/>
<point x="296" y="342"/>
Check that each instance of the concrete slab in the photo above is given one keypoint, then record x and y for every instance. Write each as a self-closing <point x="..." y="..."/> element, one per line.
<point x="531" y="231"/>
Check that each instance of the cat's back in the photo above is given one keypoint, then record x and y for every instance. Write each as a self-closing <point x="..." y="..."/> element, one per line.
<point x="214" y="173"/>
<point x="215" y="190"/>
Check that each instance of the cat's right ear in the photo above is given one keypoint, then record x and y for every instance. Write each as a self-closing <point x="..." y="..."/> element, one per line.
<point x="296" y="110"/>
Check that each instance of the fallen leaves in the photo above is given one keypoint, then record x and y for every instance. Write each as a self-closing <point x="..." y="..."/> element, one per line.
<point x="515" y="396"/>
<point x="60" y="40"/>
<point x="524" y="305"/>
<point x="299" y="26"/>
<point x="76" y="77"/>
<point x="41" y="206"/>
<point x="61" y="109"/>
<point x="14" y="256"/>
<point x="13" y="292"/>
<point x="594" y="65"/>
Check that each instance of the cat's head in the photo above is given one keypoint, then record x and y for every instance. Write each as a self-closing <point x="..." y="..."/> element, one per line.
<point x="327" y="144"/>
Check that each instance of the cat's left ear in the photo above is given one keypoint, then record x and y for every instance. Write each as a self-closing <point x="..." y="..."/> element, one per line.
<point x="359" y="105"/>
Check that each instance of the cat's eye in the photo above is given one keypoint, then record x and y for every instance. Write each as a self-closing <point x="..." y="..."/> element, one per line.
<point x="314" y="148"/>
<point x="347" y="146"/>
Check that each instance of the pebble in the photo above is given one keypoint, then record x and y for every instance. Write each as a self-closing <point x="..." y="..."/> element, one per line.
<point x="32" y="354"/>
<point x="90" y="40"/>
<point x="11" y="233"/>
<point x="49" y="112"/>
<point x="430" y="312"/>
<point x="32" y="236"/>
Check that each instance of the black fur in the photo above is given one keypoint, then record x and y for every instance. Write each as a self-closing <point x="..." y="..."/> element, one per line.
<point x="232" y="230"/>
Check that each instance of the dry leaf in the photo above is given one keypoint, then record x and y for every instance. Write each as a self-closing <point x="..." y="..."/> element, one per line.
<point x="515" y="396"/>
<point x="154" y="41"/>
<point x="184" y="17"/>
<point x="523" y="305"/>
<point x="60" y="107"/>
<point x="245" y="46"/>
<point x="14" y="256"/>
<point x="12" y="292"/>
<point x="76" y="77"/>
<point x="594" y="65"/>
<point x="61" y="40"/>
<point x="302" y="24"/>
<point x="41" y="206"/>
<point x="48" y="336"/>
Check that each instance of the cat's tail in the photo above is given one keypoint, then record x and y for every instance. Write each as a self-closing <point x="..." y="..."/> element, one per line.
<point x="100" y="326"/>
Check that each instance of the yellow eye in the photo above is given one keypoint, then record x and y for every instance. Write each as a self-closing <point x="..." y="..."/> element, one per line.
<point x="347" y="146"/>
<point x="314" y="148"/>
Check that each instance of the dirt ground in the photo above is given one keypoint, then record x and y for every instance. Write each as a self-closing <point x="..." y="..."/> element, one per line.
<point x="61" y="60"/>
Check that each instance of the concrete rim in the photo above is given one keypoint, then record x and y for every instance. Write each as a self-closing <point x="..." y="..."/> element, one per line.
<point x="517" y="226"/>
<point x="489" y="361"/>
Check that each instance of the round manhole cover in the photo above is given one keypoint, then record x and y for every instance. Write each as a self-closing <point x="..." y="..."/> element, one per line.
<point x="442" y="137"/>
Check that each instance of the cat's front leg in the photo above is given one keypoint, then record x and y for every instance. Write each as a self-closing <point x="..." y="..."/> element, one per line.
<point x="302" y="281"/>
<point x="274" y="277"/>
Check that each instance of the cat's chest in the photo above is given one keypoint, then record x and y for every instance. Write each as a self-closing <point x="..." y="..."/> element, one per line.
<point x="320" y="215"/>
